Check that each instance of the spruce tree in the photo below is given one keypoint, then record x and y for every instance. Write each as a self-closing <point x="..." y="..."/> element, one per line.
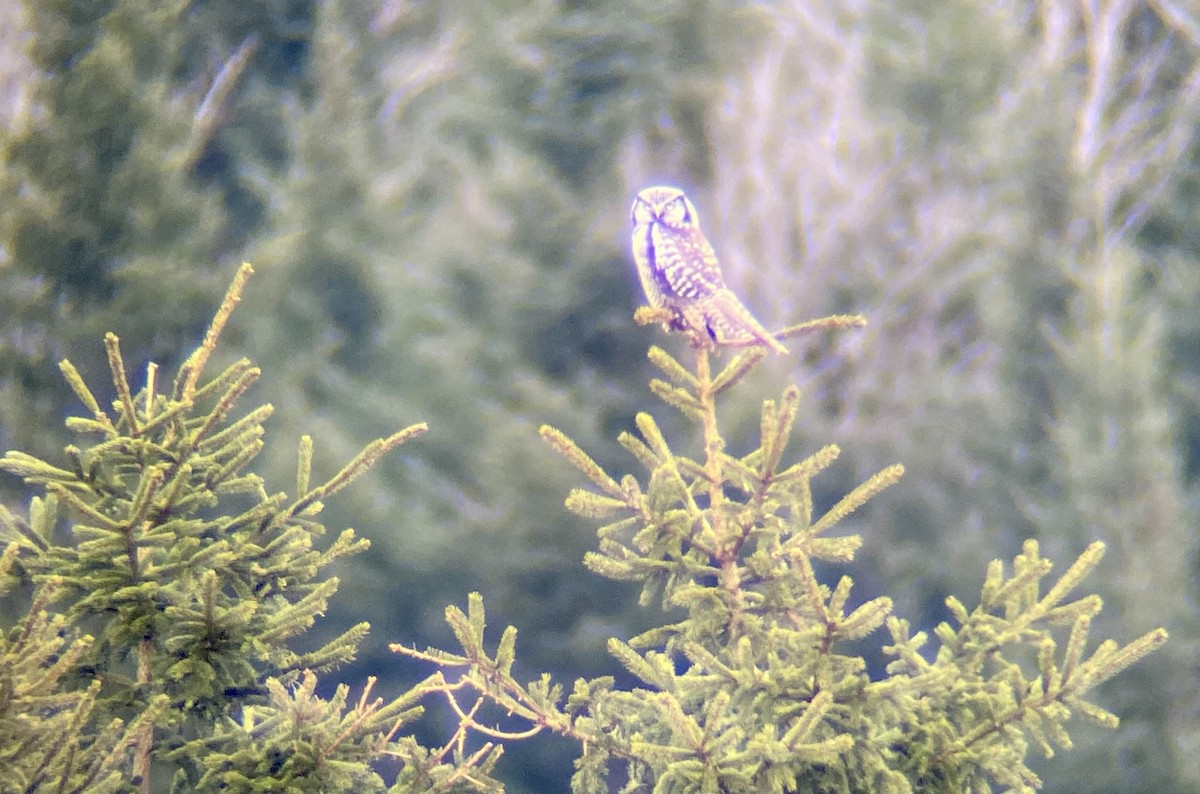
<point x="123" y="193"/>
<point x="756" y="682"/>
<point x="452" y="252"/>
<point x="976" y="179"/>
<point x="169" y="592"/>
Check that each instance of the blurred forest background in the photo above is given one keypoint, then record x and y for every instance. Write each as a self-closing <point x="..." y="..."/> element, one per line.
<point x="435" y="197"/>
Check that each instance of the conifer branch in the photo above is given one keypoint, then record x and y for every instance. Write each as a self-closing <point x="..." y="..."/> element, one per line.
<point x="77" y="384"/>
<point x="1109" y="664"/>
<point x="775" y="429"/>
<point x="148" y="487"/>
<point x="192" y="606"/>
<point x="726" y="543"/>
<point x="593" y="505"/>
<point x="671" y="367"/>
<point x="190" y="371"/>
<point x="220" y="383"/>
<point x="225" y="404"/>
<point x="304" y="464"/>
<point x="1019" y="593"/>
<point x="1071" y="578"/>
<point x="236" y="435"/>
<point x="656" y="442"/>
<point x="578" y="458"/>
<point x="358" y="465"/>
<point x="638" y="449"/>
<point x="170" y="413"/>
<point x="13" y="528"/>
<point x="676" y="397"/>
<point x="121" y="382"/>
<point x="33" y="470"/>
<point x="802" y="729"/>
<point x="800" y="473"/>
<point x="220" y="477"/>
<point x="294" y="618"/>
<point x="735" y="370"/>
<point x="69" y="496"/>
<point x="865" y="619"/>
<point x="143" y="744"/>
<point x="830" y="323"/>
<point x="639" y="666"/>
<point x="731" y="541"/>
<point x="857" y="498"/>
<point x="148" y="404"/>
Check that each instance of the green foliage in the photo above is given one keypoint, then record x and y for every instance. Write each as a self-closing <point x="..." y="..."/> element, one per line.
<point x="122" y="196"/>
<point x="451" y="252"/>
<point x="103" y="216"/>
<point x="760" y="686"/>
<point x="297" y="741"/>
<point x="1010" y="196"/>
<point x="45" y="744"/>
<point x="429" y="190"/>
<point x="178" y="595"/>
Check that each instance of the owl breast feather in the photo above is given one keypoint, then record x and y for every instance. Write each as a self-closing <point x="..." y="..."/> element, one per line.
<point x="684" y="264"/>
<point x="643" y="255"/>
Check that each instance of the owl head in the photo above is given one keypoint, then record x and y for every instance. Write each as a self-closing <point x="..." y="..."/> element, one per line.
<point x="666" y="205"/>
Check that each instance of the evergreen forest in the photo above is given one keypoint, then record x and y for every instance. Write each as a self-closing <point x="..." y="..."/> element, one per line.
<point x="968" y="220"/>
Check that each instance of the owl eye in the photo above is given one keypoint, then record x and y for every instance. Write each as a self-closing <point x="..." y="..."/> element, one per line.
<point x="679" y="207"/>
<point x="642" y="212"/>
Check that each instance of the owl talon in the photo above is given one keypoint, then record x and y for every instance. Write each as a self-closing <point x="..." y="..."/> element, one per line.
<point x="649" y="315"/>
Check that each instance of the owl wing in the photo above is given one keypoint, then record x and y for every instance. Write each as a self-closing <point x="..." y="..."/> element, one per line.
<point x="730" y="323"/>
<point x="687" y="266"/>
<point x="643" y="255"/>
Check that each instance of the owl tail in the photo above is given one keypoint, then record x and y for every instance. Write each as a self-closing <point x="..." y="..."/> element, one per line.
<point x="728" y="322"/>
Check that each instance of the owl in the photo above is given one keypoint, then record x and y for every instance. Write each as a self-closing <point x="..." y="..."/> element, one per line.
<point x="679" y="271"/>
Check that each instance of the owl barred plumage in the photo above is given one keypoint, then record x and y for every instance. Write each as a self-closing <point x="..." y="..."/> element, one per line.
<point x="679" y="271"/>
